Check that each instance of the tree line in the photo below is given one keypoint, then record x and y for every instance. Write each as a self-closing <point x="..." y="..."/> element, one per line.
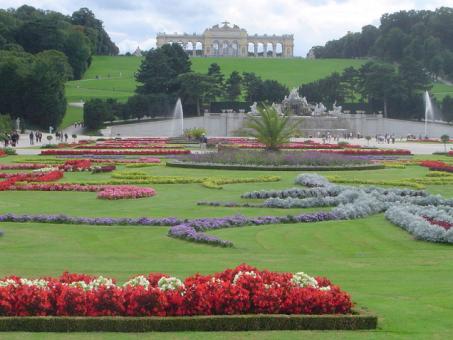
<point x="396" y="91"/>
<point x="41" y="50"/>
<point x="426" y="36"/>
<point x="165" y="74"/>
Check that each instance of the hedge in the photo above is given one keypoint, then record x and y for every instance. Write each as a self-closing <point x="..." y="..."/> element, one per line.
<point x="180" y="164"/>
<point x="223" y="323"/>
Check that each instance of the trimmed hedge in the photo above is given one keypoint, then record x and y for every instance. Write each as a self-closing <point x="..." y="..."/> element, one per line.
<point x="260" y="322"/>
<point x="179" y="164"/>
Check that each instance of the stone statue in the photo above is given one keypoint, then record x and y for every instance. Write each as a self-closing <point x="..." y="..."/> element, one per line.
<point x="319" y="110"/>
<point x="294" y="103"/>
<point x="253" y="109"/>
<point x="336" y="109"/>
<point x="18" y="124"/>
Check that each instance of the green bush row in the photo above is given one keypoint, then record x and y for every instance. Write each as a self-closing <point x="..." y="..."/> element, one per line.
<point x="195" y="323"/>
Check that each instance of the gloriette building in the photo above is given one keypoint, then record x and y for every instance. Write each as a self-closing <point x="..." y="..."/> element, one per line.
<point x="231" y="41"/>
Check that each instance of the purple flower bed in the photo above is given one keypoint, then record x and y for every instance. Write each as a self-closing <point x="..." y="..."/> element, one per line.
<point x="288" y="158"/>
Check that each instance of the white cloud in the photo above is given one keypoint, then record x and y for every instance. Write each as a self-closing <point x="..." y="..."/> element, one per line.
<point x="313" y="22"/>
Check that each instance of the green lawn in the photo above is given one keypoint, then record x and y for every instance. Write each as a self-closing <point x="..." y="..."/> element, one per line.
<point x="406" y="282"/>
<point x="73" y="114"/>
<point x="113" y="77"/>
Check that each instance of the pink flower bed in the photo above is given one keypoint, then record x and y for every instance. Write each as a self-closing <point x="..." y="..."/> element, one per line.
<point x="104" y="191"/>
<point x="54" y="152"/>
<point x="125" y="191"/>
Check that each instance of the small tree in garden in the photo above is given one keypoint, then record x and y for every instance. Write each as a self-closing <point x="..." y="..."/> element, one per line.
<point x="270" y="128"/>
<point x="368" y="138"/>
<point x="445" y="139"/>
<point x="74" y="137"/>
<point x="49" y="138"/>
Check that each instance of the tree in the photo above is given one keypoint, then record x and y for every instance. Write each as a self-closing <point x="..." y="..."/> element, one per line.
<point x="233" y="86"/>
<point x="413" y="77"/>
<point x="377" y="83"/>
<point x="258" y="90"/>
<point x="160" y="69"/>
<point x="194" y="87"/>
<point x="270" y="128"/>
<point x="445" y="139"/>
<point x="94" y="113"/>
<point x="218" y="88"/>
<point x="447" y="109"/>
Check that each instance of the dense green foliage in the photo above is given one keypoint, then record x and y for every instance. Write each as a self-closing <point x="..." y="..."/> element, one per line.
<point x="215" y="323"/>
<point x="397" y="92"/>
<point x="425" y="36"/>
<point x="270" y="128"/>
<point x="78" y="36"/>
<point x="33" y="86"/>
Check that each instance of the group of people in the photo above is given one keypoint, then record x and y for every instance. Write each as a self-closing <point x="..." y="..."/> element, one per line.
<point x="37" y="135"/>
<point x="61" y="137"/>
<point x="387" y="138"/>
<point x="11" y="139"/>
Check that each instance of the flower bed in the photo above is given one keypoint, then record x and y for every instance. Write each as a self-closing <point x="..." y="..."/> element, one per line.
<point x="3" y="153"/>
<point x="104" y="191"/>
<point x="116" y="152"/>
<point x="22" y="166"/>
<point x="261" y="158"/>
<point x="437" y="166"/>
<point x="242" y="290"/>
<point x="360" y="152"/>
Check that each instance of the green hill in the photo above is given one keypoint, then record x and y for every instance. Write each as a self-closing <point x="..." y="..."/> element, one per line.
<point x="113" y="77"/>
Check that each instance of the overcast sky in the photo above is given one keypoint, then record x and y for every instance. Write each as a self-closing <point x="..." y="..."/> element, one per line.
<point x="313" y="22"/>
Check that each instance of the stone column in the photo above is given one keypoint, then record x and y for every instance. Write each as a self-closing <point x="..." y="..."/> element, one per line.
<point x="265" y="50"/>
<point x="274" y="50"/>
<point x="255" y="48"/>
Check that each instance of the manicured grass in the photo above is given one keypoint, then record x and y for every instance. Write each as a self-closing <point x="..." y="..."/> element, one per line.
<point x="73" y="114"/>
<point x="442" y="90"/>
<point x="115" y="75"/>
<point x="406" y="282"/>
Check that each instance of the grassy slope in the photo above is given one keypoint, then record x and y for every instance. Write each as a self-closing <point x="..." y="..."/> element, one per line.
<point x="406" y="282"/>
<point x="291" y="72"/>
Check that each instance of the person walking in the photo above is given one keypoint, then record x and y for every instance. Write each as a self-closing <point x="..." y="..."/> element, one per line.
<point x="66" y="137"/>
<point x="32" y="137"/>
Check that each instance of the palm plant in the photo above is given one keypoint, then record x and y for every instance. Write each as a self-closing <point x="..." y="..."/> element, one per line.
<point x="270" y="128"/>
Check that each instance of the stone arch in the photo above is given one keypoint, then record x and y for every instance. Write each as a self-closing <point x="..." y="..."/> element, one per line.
<point x="269" y="49"/>
<point x="226" y="47"/>
<point x="198" y="48"/>
<point x="235" y="48"/>
<point x="279" y="49"/>
<point x="260" y="49"/>
<point x="215" y="47"/>
<point x="251" y="48"/>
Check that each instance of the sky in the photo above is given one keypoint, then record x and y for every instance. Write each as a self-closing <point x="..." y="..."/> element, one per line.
<point x="132" y="23"/>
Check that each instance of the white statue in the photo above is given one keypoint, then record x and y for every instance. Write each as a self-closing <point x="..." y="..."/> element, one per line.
<point x="319" y="109"/>
<point x="18" y="124"/>
<point x="253" y="109"/>
<point x="336" y="109"/>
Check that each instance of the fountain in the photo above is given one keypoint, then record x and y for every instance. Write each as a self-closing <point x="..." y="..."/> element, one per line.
<point x="429" y="112"/>
<point x="177" y="125"/>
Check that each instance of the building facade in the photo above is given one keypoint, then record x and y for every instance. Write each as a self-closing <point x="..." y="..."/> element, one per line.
<point x="230" y="41"/>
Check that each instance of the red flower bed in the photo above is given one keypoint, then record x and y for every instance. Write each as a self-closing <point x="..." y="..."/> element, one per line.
<point x="115" y="152"/>
<point x="2" y="153"/>
<point x="31" y="177"/>
<point x="363" y="152"/>
<point x="444" y="224"/>
<point x="243" y="290"/>
<point x="437" y="166"/>
<point x="76" y="165"/>
<point x="22" y="166"/>
<point x="450" y="153"/>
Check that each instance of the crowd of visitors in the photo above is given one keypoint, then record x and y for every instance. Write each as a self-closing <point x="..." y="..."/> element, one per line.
<point x="11" y="139"/>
